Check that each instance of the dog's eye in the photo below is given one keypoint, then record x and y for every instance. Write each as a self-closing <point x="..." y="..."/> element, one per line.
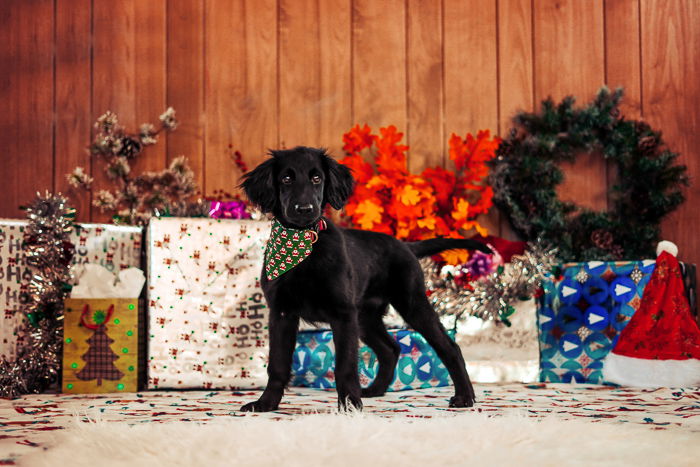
<point x="316" y="179"/>
<point x="287" y="180"/>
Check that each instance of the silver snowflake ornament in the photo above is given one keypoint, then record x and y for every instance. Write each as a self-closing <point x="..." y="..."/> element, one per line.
<point x="583" y="332"/>
<point x="582" y="276"/>
<point x="636" y="275"/>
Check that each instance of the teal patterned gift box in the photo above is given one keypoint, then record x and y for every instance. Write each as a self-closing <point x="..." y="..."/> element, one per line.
<point x="418" y="366"/>
<point x="582" y="312"/>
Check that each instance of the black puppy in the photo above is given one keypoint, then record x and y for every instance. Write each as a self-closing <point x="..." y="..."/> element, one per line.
<point x="347" y="280"/>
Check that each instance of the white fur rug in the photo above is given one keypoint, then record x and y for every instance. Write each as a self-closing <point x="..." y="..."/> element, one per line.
<point x="367" y="440"/>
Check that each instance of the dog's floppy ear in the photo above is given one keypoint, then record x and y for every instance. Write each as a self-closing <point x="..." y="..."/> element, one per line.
<point x="259" y="186"/>
<point x="339" y="183"/>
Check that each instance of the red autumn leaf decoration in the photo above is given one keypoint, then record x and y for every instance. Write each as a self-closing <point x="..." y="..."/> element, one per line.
<point x="438" y="202"/>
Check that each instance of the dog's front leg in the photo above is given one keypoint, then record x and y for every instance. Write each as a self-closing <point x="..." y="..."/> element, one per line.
<point x="283" y="333"/>
<point x="347" y="380"/>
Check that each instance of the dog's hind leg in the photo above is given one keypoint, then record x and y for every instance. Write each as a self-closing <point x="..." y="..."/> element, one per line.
<point x="417" y="312"/>
<point x="374" y="334"/>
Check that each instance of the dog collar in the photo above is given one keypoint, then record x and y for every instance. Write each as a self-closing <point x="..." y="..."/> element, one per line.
<point x="287" y="247"/>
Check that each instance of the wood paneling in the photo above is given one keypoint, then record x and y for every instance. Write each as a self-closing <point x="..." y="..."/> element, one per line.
<point x="622" y="61"/>
<point x="569" y="45"/>
<point x="147" y="68"/>
<point x="253" y="75"/>
<point x="671" y="98"/>
<point x="73" y="112"/>
<point x="185" y="82"/>
<point x="569" y="35"/>
<point x="515" y="73"/>
<point x="241" y="86"/>
<point x="314" y="73"/>
<point x="27" y="93"/>
<point x="299" y="73"/>
<point x="515" y="78"/>
<point x="471" y="90"/>
<point x="129" y="74"/>
<point x="10" y="118"/>
<point x="425" y="86"/>
<point x="622" y="53"/>
<point x="379" y="63"/>
<point x="335" y="24"/>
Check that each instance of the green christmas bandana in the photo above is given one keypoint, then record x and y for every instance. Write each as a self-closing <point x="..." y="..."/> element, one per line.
<point x="286" y="248"/>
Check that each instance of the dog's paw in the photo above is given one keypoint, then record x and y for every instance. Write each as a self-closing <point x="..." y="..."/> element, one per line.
<point x="258" y="406"/>
<point x="373" y="392"/>
<point x="462" y="401"/>
<point x="350" y="404"/>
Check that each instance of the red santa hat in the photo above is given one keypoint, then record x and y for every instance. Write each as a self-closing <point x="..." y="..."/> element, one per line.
<point x="660" y="346"/>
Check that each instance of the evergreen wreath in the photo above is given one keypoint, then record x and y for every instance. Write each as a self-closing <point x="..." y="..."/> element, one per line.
<point x="525" y="174"/>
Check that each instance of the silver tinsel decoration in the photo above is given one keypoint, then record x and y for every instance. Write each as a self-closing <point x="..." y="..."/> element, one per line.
<point x="48" y="254"/>
<point x="492" y="296"/>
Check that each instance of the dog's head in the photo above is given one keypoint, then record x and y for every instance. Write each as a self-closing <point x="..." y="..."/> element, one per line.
<point x="296" y="184"/>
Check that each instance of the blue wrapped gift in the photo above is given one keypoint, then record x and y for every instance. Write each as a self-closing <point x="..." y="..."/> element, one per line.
<point x="418" y="367"/>
<point x="582" y="312"/>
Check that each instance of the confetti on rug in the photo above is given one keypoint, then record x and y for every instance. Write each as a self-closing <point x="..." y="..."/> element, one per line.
<point x="31" y="423"/>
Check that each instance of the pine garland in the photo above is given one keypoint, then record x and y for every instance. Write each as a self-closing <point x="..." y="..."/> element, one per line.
<point x="525" y="174"/>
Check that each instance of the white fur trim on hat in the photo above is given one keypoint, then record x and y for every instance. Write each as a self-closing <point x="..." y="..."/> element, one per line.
<point x="645" y="373"/>
<point x="665" y="245"/>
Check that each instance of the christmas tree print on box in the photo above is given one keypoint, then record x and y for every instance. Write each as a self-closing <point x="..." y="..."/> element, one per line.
<point x="100" y="349"/>
<point x="99" y="359"/>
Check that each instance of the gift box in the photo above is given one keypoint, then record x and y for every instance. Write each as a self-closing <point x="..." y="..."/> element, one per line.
<point x="493" y="352"/>
<point x="496" y="353"/>
<point x="101" y="332"/>
<point x="418" y="366"/>
<point x="13" y="272"/>
<point x="114" y="247"/>
<point x="207" y="314"/>
<point x="583" y="311"/>
<point x="100" y="348"/>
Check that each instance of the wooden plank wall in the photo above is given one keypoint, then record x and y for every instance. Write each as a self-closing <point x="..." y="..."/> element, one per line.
<point x="258" y="74"/>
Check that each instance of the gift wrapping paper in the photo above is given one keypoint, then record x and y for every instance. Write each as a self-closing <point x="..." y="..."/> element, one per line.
<point x="582" y="312"/>
<point x="313" y="364"/>
<point x="492" y="351"/>
<point x="207" y="315"/>
<point x="114" y="247"/>
<point x="100" y="345"/>
<point x="496" y="353"/>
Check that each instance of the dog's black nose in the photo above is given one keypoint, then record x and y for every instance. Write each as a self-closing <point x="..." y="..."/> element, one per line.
<point x="303" y="208"/>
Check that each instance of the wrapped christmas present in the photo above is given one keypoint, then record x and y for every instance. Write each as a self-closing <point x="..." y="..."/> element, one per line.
<point x="13" y="272"/>
<point x="418" y="367"/>
<point x="496" y="353"/>
<point x="487" y="300"/>
<point x="207" y="315"/>
<point x="101" y="332"/>
<point x="113" y="247"/>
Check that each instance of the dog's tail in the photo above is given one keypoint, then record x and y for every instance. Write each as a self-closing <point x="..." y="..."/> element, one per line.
<point x="436" y="245"/>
